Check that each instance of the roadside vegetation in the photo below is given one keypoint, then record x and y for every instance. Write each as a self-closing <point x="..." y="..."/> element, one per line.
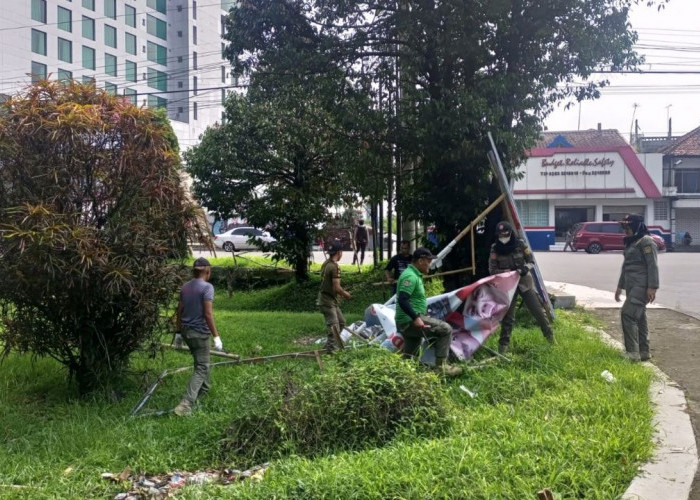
<point x="546" y="419"/>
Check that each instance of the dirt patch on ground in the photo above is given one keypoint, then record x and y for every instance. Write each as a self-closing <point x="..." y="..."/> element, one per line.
<point x="308" y="340"/>
<point x="674" y="339"/>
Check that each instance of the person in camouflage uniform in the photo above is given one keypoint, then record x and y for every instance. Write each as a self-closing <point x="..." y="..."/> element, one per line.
<point x="412" y="319"/>
<point x="640" y="280"/>
<point x="510" y="253"/>
<point x="328" y="296"/>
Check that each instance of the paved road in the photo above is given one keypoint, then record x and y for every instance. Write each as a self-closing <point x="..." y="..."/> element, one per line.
<point x="679" y="275"/>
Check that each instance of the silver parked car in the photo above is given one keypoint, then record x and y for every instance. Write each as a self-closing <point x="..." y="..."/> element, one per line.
<point x="237" y="239"/>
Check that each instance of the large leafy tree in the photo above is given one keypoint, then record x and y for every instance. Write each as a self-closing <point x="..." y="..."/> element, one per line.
<point x="281" y="159"/>
<point x="452" y="70"/>
<point x="92" y="210"/>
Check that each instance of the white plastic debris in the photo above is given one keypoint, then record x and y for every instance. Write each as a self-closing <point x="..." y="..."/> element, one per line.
<point x="471" y="394"/>
<point x="607" y="376"/>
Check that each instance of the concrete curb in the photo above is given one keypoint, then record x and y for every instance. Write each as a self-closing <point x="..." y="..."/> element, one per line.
<point x="670" y="473"/>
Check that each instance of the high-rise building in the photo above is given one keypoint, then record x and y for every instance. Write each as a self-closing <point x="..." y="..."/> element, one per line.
<point x="157" y="53"/>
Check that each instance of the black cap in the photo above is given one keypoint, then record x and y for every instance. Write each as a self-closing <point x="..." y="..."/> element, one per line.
<point x="504" y="227"/>
<point x="422" y="252"/>
<point x="632" y="218"/>
<point x="201" y="262"/>
<point x="333" y="247"/>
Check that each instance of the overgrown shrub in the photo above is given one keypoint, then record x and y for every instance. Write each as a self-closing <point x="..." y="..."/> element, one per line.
<point x="91" y="210"/>
<point x="364" y="400"/>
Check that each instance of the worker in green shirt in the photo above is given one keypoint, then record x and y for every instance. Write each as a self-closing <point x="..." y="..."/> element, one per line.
<point x="411" y="315"/>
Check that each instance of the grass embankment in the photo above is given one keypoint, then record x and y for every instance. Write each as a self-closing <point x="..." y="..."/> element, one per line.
<point x="545" y="420"/>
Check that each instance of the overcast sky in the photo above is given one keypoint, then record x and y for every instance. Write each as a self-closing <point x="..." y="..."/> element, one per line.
<point x="670" y="40"/>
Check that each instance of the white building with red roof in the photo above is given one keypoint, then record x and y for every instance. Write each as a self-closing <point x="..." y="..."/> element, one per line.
<point x="589" y="175"/>
<point x="681" y="185"/>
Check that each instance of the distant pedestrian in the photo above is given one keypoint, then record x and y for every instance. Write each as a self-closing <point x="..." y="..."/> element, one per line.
<point x="640" y="281"/>
<point x="361" y="239"/>
<point x="328" y="296"/>
<point x="687" y="239"/>
<point x="569" y="239"/>
<point x="510" y="253"/>
<point x="195" y="322"/>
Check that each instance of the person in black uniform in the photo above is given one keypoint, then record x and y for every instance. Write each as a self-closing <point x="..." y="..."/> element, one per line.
<point x="398" y="263"/>
<point x="510" y="253"/>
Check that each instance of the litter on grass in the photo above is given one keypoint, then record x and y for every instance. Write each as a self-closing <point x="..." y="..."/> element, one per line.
<point x="156" y="487"/>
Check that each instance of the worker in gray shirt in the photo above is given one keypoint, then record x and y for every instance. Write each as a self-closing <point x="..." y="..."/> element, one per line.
<point x="195" y="322"/>
<point x="640" y="280"/>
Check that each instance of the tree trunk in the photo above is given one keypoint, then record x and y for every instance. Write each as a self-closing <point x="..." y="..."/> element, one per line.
<point x="97" y="369"/>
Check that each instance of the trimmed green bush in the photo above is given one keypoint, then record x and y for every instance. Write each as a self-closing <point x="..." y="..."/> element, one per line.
<point x="365" y="400"/>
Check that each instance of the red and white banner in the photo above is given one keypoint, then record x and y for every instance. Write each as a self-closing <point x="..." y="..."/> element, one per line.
<point x="474" y="312"/>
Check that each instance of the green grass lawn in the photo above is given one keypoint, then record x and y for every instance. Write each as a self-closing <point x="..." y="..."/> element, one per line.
<point x="545" y="420"/>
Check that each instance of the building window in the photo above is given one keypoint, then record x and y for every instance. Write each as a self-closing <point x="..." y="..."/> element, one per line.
<point x="38" y="71"/>
<point x="688" y="181"/>
<point x="131" y="95"/>
<point x="194" y="35"/>
<point x="64" y="76"/>
<point x="88" y="80"/>
<point x="533" y="212"/>
<point x="179" y="59"/>
<point x="194" y="85"/>
<point x="110" y="88"/>
<point x="65" y="19"/>
<point x="194" y="110"/>
<point x="39" y="42"/>
<point x="130" y="16"/>
<point x="157" y="53"/>
<point x="88" y="28"/>
<point x="157" y="102"/>
<point x="179" y="85"/>
<point x="194" y="10"/>
<point x="223" y="74"/>
<point x="88" y="57"/>
<point x="130" y="71"/>
<point x="158" y="5"/>
<point x="194" y="60"/>
<point x="110" y="65"/>
<point x="65" y="50"/>
<point x="223" y="25"/>
<point x="111" y="9"/>
<point x="110" y="36"/>
<point x="157" y="27"/>
<point x="39" y="11"/>
<point x="89" y="4"/>
<point x="661" y="210"/>
<point x="130" y="43"/>
<point x="157" y="79"/>
<point x="223" y="96"/>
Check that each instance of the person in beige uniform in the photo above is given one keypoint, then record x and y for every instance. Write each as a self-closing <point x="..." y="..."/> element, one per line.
<point x="328" y="296"/>
<point x="640" y="280"/>
<point x="510" y="253"/>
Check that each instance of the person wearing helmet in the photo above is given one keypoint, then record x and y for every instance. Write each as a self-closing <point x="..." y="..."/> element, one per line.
<point x="328" y="296"/>
<point x="510" y="253"/>
<point x="639" y="279"/>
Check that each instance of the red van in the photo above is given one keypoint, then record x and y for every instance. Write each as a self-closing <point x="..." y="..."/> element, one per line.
<point x="594" y="237"/>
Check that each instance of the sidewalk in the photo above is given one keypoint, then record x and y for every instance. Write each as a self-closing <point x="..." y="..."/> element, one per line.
<point x="675" y="347"/>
